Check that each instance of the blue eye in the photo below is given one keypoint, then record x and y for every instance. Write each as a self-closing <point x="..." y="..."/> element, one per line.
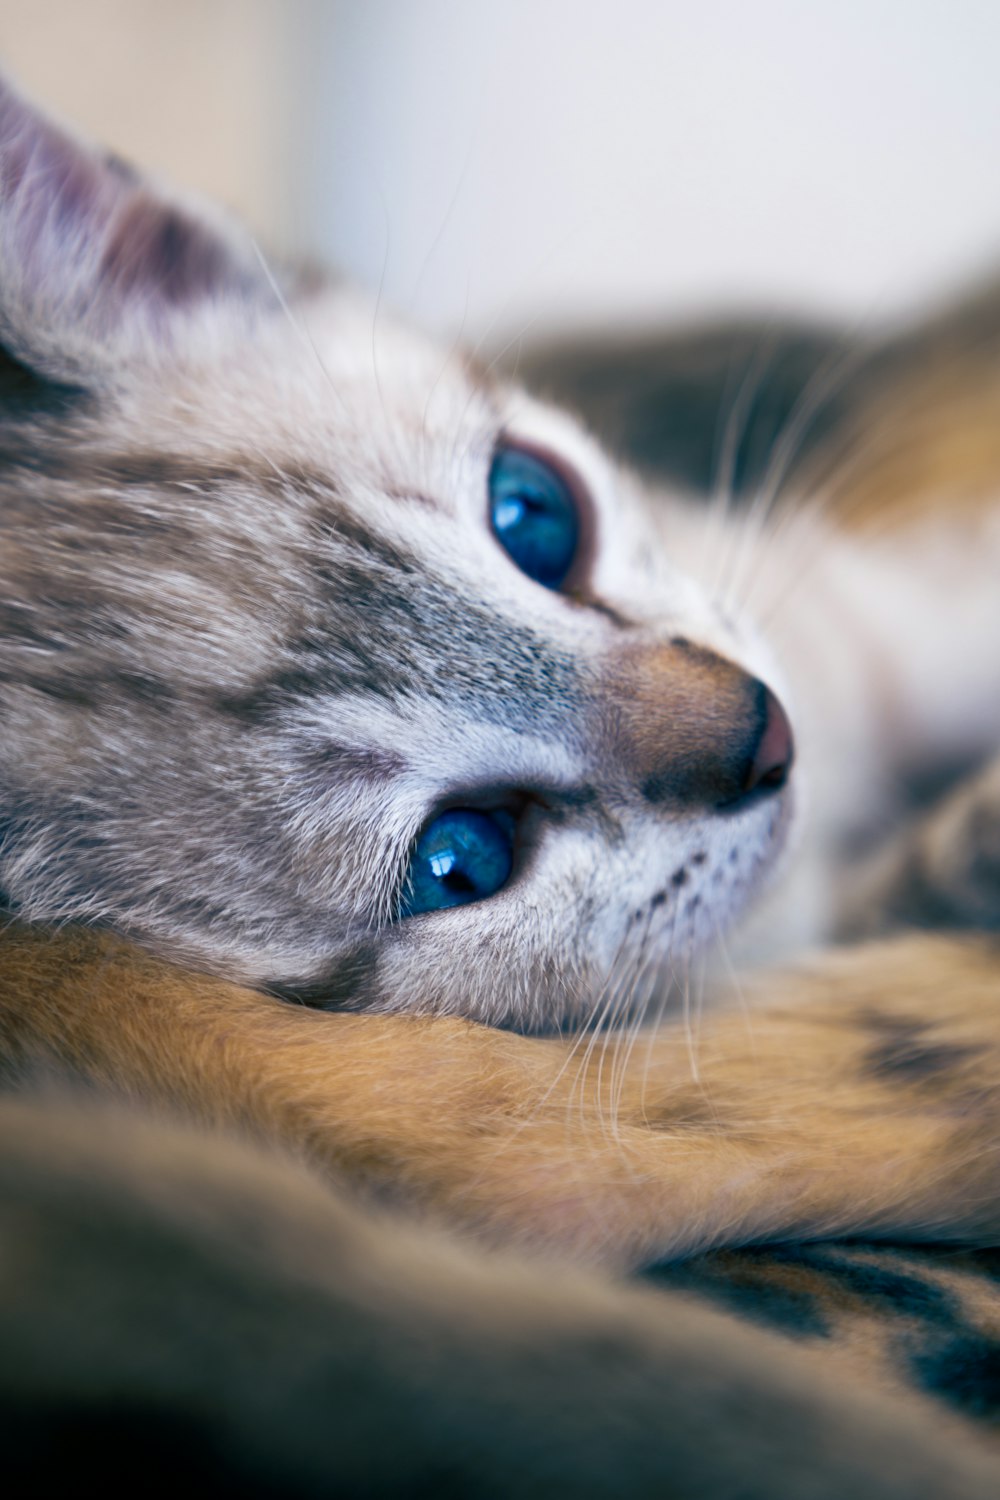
<point x="461" y="856"/>
<point x="534" y="516"/>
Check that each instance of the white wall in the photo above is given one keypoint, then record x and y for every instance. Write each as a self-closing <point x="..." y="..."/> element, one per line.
<point x="197" y="90"/>
<point x="540" y="162"/>
<point x="549" y="161"/>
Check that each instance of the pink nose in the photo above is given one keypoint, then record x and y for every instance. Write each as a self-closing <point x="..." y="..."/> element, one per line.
<point x="772" y="759"/>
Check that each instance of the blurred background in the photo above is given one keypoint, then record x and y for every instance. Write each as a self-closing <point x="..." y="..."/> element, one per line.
<point x="545" y="165"/>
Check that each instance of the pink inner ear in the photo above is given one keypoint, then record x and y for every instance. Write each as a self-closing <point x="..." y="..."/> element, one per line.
<point x="157" y="249"/>
<point x="86" y="244"/>
<point x="43" y="173"/>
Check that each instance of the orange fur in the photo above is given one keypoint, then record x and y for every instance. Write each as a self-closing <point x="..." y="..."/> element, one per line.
<point x="858" y="1096"/>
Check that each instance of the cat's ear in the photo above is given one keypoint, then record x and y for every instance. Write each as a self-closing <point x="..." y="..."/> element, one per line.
<point x="95" y="263"/>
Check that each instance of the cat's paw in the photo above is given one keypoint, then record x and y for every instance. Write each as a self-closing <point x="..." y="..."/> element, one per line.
<point x="943" y="872"/>
<point x="963" y="853"/>
<point x="855" y="1096"/>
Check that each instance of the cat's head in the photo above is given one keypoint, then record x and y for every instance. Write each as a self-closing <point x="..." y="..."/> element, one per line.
<point x="329" y="661"/>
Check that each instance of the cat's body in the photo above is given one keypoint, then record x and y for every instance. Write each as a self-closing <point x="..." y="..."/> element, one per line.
<point x="258" y="636"/>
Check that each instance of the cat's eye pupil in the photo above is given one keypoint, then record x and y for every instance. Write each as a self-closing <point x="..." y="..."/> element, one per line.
<point x="533" y="515"/>
<point x="460" y="856"/>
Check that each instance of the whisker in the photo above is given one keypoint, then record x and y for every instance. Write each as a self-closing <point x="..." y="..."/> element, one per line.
<point x="598" y="1032"/>
<point x="449" y="213"/>
<point x="647" y="976"/>
<point x="738" y="990"/>
<point x="299" y="328"/>
<point x="734" y="433"/>
<point x="829" y="379"/>
<point x="624" y="1011"/>
<point x="449" y="359"/>
<point x="688" y="1028"/>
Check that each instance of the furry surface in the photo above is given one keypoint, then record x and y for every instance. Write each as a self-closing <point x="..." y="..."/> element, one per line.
<point x="254" y="629"/>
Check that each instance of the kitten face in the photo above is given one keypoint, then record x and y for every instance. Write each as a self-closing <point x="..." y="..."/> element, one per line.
<point x="257" y="632"/>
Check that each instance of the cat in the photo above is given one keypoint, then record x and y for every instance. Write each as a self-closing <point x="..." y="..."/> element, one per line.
<point x="300" y="752"/>
<point x="337" y="670"/>
<point x="314" y="655"/>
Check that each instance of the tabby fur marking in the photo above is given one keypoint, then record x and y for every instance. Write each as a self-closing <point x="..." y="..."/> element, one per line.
<point x="252" y="628"/>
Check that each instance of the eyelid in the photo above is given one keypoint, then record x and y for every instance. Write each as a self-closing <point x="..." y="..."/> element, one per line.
<point x="578" y="577"/>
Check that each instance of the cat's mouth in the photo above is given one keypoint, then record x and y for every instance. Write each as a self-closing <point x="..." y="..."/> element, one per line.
<point x="689" y="907"/>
